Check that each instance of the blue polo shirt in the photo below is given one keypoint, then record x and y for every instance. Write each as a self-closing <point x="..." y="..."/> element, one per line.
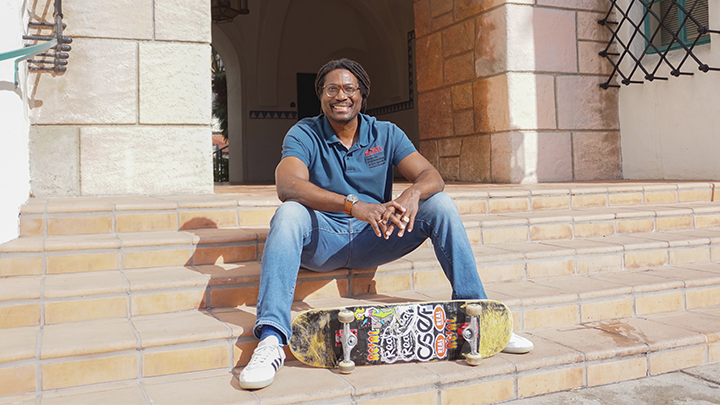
<point x="365" y="170"/>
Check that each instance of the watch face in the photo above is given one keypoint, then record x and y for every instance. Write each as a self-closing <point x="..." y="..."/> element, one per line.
<point x="352" y="198"/>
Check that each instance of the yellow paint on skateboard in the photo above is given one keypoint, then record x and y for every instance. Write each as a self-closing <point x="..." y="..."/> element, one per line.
<point x="496" y="327"/>
<point x="315" y="349"/>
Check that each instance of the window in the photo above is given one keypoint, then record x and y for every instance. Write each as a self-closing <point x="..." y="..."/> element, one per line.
<point x="677" y="25"/>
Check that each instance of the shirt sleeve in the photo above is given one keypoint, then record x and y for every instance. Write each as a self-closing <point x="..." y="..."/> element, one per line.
<point x="297" y="144"/>
<point x="403" y="145"/>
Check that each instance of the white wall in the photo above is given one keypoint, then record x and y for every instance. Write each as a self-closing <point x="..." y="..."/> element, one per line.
<point x="670" y="129"/>
<point x="14" y="168"/>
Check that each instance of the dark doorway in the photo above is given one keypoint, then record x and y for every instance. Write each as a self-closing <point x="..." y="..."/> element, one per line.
<point x="308" y="104"/>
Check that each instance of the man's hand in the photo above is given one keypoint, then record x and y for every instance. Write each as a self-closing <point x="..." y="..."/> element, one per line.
<point x="383" y="218"/>
<point x="409" y="200"/>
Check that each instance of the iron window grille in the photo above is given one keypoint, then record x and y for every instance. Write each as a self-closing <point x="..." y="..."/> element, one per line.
<point x="665" y="25"/>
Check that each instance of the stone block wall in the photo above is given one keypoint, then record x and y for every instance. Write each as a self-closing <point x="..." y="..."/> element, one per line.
<point x="132" y="114"/>
<point x="508" y="91"/>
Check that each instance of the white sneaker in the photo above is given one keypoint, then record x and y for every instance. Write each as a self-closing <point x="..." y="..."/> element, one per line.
<point x="518" y="345"/>
<point x="266" y="360"/>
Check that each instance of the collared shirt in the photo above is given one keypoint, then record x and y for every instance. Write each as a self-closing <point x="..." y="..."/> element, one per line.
<point x="366" y="169"/>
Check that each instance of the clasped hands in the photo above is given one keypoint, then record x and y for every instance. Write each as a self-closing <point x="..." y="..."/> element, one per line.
<point x="384" y="218"/>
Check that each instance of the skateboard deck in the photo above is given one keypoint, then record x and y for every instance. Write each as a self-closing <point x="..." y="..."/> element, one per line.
<point x="400" y="333"/>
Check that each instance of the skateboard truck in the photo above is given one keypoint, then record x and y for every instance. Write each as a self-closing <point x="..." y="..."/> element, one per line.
<point x="472" y="334"/>
<point x="349" y="340"/>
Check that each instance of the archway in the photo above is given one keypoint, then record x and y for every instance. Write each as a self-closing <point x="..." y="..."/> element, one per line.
<point x="233" y="70"/>
<point x="280" y="39"/>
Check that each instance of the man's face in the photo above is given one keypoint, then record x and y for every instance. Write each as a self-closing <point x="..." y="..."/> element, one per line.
<point x="341" y="107"/>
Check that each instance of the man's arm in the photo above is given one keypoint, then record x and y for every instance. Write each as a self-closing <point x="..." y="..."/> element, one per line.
<point x="292" y="180"/>
<point x="426" y="180"/>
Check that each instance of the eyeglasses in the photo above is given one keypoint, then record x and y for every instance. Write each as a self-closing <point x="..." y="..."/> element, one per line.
<point x="332" y="90"/>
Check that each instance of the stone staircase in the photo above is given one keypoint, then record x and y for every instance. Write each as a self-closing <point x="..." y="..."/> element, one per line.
<point x="150" y="299"/>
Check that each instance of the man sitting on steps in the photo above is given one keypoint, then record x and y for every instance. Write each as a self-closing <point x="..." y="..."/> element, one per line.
<point x="335" y="182"/>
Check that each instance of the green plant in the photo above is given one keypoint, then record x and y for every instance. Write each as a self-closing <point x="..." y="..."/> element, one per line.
<point x="219" y="88"/>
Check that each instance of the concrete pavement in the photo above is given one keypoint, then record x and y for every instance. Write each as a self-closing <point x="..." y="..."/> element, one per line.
<point x="694" y="386"/>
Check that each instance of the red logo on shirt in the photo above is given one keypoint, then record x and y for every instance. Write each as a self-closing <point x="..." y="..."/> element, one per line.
<point x="373" y="151"/>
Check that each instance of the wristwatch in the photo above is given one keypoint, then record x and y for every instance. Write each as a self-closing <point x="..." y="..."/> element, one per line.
<point x="350" y="200"/>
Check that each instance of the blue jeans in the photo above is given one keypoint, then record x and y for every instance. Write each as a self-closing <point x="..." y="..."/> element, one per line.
<point x="300" y="236"/>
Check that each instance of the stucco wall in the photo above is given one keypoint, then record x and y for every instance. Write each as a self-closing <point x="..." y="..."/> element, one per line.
<point x="132" y="113"/>
<point x="671" y="129"/>
<point x="14" y="173"/>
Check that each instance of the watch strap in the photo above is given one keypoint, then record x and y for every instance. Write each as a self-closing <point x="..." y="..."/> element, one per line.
<point x="348" y="207"/>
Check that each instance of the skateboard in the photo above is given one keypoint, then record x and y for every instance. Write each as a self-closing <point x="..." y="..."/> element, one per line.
<point x="401" y="333"/>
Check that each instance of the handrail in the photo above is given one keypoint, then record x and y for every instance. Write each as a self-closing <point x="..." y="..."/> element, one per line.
<point x="25" y="53"/>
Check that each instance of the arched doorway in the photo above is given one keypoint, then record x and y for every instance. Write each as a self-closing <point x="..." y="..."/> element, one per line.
<point x="225" y="47"/>
<point x="267" y="49"/>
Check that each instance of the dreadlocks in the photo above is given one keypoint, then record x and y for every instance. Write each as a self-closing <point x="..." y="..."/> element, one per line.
<point x="351" y="66"/>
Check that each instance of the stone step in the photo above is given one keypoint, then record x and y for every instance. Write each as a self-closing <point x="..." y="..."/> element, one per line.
<point x="239" y="206"/>
<point x="564" y="358"/>
<point x="208" y="246"/>
<point x="565" y="311"/>
<point x="90" y="311"/>
<point x="52" y="297"/>
<point x="103" y="252"/>
<point x="585" y="223"/>
<point x="27" y="256"/>
<point x="99" y="351"/>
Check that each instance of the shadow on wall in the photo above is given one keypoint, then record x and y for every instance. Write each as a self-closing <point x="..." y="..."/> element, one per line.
<point x="10" y="86"/>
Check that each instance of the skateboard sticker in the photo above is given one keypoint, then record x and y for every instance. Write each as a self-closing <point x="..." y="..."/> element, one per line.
<point x="339" y="334"/>
<point x="407" y="333"/>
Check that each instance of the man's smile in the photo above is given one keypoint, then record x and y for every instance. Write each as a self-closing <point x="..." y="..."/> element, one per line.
<point x="342" y="108"/>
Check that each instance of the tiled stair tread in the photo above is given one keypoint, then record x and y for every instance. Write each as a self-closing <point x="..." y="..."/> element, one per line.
<point x="231" y="196"/>
<point x="518" y="295"/>
<point x="18" y="343"/>
<point x="164" y="277"/>
<point x="113" y="335"/>
<point x="253" y="234"/>
<point x="687" y="296"/>
<point x="587" y="355"/>
<point x="133" y="240"/>
<point x="81" y="242"/>
<point x="571" y="346"/>
<point x="112" y="281"/>
<point x="20" y="288"/>
<point x="84" y="284"/>
<point x="136" y="232"/>
<point x="590" y="214"/>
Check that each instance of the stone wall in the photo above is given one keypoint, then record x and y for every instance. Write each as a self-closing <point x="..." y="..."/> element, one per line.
<point x="14" y="174"/>
<point x="508" y="91"/>
<point x="132" y="114"/>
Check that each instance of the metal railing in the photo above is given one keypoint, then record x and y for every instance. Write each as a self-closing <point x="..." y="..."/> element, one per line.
<point x="22" y="54"/>
<point x="221" y="166"/>
<point x="57" y="41"/>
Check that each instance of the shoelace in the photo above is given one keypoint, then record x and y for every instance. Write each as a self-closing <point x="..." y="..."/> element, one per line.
<point x="260" y="356"/>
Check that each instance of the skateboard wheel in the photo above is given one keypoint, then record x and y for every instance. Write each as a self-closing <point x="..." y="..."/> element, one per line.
<point x="346" y="316"/>
<point x="346" y="367"/>
<point x="473" y="359"/>
<point x="473" y="310"/>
